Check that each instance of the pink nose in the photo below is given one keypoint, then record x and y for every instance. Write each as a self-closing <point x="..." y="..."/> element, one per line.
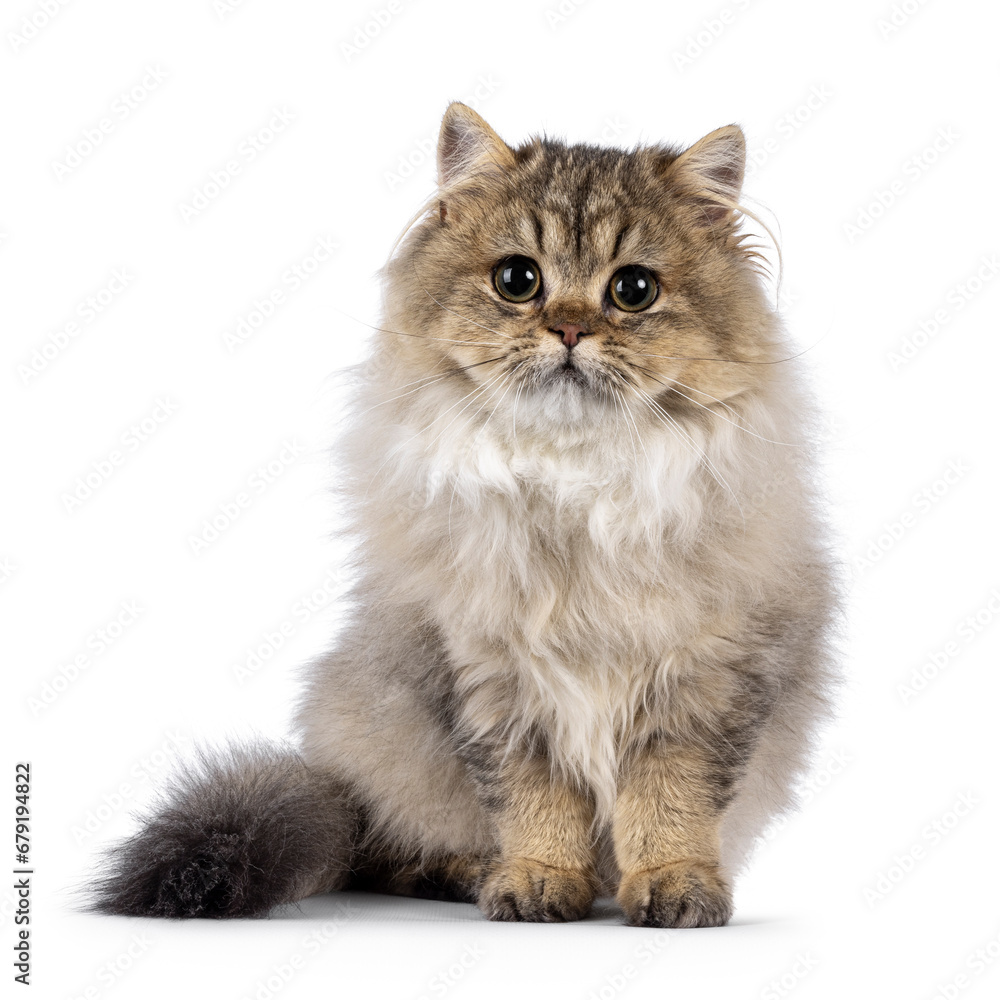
<point x="571" y="332"/>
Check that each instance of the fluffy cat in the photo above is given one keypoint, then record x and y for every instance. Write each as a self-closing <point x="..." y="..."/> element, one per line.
<point x="589" y="640"/>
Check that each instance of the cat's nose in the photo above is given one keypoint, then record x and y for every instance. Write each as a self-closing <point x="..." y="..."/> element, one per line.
<point x="571" y="333"/>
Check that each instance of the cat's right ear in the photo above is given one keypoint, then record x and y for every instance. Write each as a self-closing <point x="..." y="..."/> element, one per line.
<point x="709" y="175"/>
<point x="468" y="146"/>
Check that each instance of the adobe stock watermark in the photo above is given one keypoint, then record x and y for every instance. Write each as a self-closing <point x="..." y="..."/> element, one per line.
<point x="303" y="610"/>
<point x="249" y="148"/>
<point x="781" y="986"/>
<point x="612" y="128"/>
<point x="784" y="469"/>
<point x="955" y="300"/>
<point x="141" y="774"/>
<point x="86" y="313"/>
<point x="371" y="28"/>
<point x="444" y="981"/>
<point x="977" y="962"/>
<point x="96" y="643"/>
<point x="32" y="25"/>
<point x="562" y="12"/>
<point x="276" y="979"/>
<point x="110" y="973"/>
<point x="223" y="8"/>
<point x="760" y="500"/>
<point x="122" y="107"/>
<point x="922" y="501"/>
<point x="931" y="836"/>
<point x="808" y="787"/>
<point x="786" y="298"/>
<point x="787" y="126"/>
<point x="423" y="496"/>
<point x="7" y="569"/>
<point x="289" y="282"/>
<point x="425" y="150"/>
<point x="129" y="442"/>
<point x="9" y="907"/>
<point x="968" y="630"/>
<point x="898" y="17"/>
<point x="710" y="31"/>
<point x="912" y="170"/>
<point x="257" y="484"/>
<point x="614" y="983"/>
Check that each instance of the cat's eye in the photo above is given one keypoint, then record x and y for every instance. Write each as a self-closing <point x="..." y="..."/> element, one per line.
<point x="632" y="288"/>
<point x="517" y="278"/>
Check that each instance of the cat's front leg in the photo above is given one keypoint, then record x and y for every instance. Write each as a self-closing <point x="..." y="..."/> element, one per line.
<point x="666" y="838"/>
<point x="546" y="870"/>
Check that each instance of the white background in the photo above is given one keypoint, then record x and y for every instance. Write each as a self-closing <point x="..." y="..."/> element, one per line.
<point x="885" y="885"/>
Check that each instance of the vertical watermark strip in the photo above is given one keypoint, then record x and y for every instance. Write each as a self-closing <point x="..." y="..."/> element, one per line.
<point x="22" y="873"/>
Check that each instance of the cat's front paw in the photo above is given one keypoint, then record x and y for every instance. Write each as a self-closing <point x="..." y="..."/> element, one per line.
<point x="523" y="889"/>
<point x="681" y="894"/>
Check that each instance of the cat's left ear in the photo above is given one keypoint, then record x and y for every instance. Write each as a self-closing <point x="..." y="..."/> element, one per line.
<point x="468" y="146"/>
<point x="710" y="174"/>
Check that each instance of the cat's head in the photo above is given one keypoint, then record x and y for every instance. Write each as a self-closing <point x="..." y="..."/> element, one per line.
<point x="578" y="279"/>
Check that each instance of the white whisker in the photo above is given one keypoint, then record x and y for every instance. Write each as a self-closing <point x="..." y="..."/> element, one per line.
<point x="426" y="381"/>
<point x="475" y="391"/>
<point x="466" y="319"/>
<point x="752" y="433"/>
<point x="685" y="437"/>
<point x="420" y="336"/>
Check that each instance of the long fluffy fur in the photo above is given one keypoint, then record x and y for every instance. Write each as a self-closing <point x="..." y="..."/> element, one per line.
<point x="563" y="579"/>
<point x="240" y="831"/>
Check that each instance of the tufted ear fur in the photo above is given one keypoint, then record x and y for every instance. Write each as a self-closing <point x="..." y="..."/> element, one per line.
<point x="468" y="146"/>
<point x="710" y="174"/>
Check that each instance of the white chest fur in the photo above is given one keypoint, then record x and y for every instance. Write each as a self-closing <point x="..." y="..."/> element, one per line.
<point x="559" y="591"/>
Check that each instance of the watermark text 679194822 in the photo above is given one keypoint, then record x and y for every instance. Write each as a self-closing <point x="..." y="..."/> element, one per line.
<point x="22" y="872"/>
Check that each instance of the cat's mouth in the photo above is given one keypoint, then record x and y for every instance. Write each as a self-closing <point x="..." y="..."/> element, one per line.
<point x="566" y="373"/>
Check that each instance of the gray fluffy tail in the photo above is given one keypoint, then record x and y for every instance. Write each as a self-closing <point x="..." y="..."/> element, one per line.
<point x="241" y="831"/>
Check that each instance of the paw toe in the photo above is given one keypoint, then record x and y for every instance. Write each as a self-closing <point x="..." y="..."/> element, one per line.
<point x="523" y="889"/>
<point x="681" y="894"/>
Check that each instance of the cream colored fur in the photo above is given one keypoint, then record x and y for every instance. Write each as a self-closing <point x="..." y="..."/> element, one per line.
<point x="589" y="641"/>
<point x="586" y="568"/>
